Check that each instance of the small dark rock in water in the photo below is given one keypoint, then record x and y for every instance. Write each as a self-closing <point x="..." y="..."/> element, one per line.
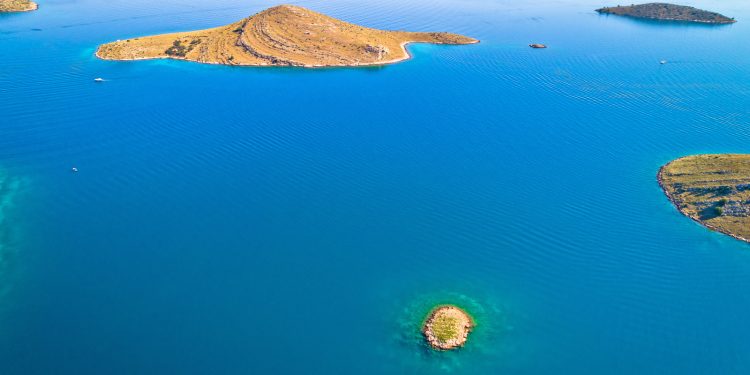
<point x="536" y="45"/>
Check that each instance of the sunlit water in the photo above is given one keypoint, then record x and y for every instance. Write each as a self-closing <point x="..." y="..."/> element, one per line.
<point x="274" y="220"/>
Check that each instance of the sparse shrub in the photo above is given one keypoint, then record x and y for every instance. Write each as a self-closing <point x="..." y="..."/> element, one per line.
<point x="718" y="211"/>
<point x="178" y="49"/>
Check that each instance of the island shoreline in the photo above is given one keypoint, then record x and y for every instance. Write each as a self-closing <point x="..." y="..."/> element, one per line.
<point x="431" y="337"/>
<point x="404" y="49"/>
<point x="671" y="20"/>
<point x="671" y="198"/>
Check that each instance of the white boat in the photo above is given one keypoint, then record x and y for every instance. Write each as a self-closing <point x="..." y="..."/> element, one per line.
<point x="663" y="62"/>
<point x="74" y="169"/>
<point x="98" y="79"/>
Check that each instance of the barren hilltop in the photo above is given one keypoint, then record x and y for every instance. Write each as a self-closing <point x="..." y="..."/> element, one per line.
<point x="284" y="35"/>
<point x="668" y="12"/>
<point x="17" y="5"/>
<point x="713" y="190"/>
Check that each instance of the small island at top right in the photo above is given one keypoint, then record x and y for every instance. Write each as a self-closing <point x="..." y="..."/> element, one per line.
<point x="668" y="12"/>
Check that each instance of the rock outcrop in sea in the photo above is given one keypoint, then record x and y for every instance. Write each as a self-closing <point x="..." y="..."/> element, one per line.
<point x="447" y="327"/>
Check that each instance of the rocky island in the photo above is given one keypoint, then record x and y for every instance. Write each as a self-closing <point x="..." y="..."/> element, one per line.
<point x="284" y="35"/>
<point x="713" y="190"/>
<point x="668" y="12"/>
<point x="447" y="327"/>
<point x="17" y="6"/>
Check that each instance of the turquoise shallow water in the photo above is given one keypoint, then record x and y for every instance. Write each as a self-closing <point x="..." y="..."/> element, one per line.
<point x="243" y="220"/>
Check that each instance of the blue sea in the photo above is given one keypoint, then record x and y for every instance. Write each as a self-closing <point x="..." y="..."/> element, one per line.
<point x="231" y="220"/>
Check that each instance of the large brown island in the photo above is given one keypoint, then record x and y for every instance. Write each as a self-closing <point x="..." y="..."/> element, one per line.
<point x="284" y="35"/>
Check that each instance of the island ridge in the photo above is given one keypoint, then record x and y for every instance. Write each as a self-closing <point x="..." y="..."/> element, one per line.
<point x="17" y="6"/>
<point x="668" y="12"/>
<point x="284" y="35"/>
<point x="447" y="327"/>
<point x="713" y="190"/>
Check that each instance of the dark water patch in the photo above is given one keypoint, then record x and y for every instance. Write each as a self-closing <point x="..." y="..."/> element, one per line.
<point x="9" y="189"/>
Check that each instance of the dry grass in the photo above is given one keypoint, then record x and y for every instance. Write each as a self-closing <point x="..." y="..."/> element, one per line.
<point x="17" y="5"/>
<point x="713" y="190"/>
<point x="284" y="35"/>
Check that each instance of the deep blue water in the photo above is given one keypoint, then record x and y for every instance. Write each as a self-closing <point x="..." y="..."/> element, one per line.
<point x="274" y="220"/>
